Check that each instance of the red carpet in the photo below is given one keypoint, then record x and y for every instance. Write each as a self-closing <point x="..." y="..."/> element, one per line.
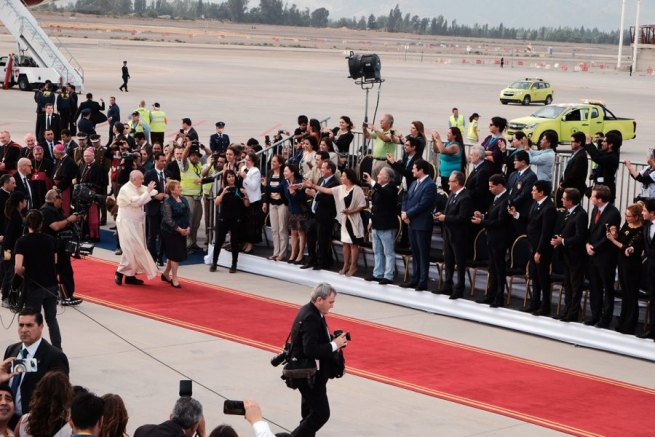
<point x="553" y="397"/>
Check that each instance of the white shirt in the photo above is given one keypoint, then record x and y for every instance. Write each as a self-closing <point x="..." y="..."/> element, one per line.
<point x="31" y="350"/>
<point x="252" y="183"/>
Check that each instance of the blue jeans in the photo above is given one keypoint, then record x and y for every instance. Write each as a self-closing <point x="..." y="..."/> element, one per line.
<point x="383" y="253"/>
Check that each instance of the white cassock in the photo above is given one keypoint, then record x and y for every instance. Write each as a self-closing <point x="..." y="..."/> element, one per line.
<point x="131" y="227"/>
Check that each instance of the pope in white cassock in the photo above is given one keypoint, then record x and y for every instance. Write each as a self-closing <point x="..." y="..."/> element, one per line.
<point x="131" y="228"/>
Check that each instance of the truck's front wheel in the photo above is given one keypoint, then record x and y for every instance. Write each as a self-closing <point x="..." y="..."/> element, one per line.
<point x="24" y="84"/>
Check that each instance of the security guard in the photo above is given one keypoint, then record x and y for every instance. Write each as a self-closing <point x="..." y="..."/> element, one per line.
<point x="457" y="120"/>
<point x="191" y="177"/>
<point x="219" y="141"/>
<point x="158" y="122"/>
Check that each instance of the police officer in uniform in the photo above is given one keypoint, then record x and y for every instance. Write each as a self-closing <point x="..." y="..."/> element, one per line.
<point x="219" y="141"/>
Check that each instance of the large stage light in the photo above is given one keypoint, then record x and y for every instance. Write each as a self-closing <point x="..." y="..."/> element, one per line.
<point x="365" y="67"/>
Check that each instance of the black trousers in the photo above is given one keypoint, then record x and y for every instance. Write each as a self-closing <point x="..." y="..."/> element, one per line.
<point x="629" y="278"/>
<point x="540" y="275"/>
<point x="651" y="303"/>
<point x="601" y="284"/>
<point x="224" y="226"/>
<point x="497" y="272"/>
<point x="319" y="236"/>
<point x="38" y="297"/>
<point x="154" y="223"/>
<point x="454" y="253"/>
<point x="124" y="86"/>
<point x="573" y="283"/>
<point x="65" y="273"/>
<point x="314" y="408"/>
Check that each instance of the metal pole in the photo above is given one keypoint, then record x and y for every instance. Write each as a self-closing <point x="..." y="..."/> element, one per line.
<point x="618" y="63"/>
<point x="636" y="42"/>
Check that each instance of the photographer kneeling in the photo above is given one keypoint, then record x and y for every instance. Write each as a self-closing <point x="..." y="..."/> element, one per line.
<point x="35" y="262"/>
<point x="54" y="222"/>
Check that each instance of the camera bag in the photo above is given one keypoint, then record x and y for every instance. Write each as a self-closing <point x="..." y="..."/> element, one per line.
<point x="299" y="373"/>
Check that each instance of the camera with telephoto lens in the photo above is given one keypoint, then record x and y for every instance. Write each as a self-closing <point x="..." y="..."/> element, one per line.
<point x="24" y="365"/>
<point x="282" y="357"/>
<point x="130" y="155"/>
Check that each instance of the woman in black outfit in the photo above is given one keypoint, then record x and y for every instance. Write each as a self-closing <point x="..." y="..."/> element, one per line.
<point x="16" y="203"/>
<point x="630" y="242"/>
<point x="234" y="204"/>
<point x="341" y="138"/>
<point x="175" y="226"/>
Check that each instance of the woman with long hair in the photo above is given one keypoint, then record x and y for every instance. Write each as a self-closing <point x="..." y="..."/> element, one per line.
<point x="453" y="155"/>
<point x="175" y="227"/>
<point x="350" y="202"/>
<point x="298" y="212"/>
<point x="473" y="133"/>
<point x="520" y="141"/>
<point x="629" y="239"/>
<point x="147" y="161"/>
<point x="327" y="146"/>
<point x="314" y="129"/>
<point x="275" y="204"/>
<point x="49" y="408"/>
<point x="342" y="136"/>
<point x="417" y="131"/>
<point x="252" y="182"/>
<point x="309" y="148"/>
<point x="114" y="417"/>
<point x="234" y="203"/>
<point x="494" y="142"/>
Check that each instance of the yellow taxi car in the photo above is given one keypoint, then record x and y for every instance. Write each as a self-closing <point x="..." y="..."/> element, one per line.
<point x="528" y="91"/>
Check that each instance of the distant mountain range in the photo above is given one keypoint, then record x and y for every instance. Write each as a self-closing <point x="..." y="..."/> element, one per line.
<point x="603" y="14"/>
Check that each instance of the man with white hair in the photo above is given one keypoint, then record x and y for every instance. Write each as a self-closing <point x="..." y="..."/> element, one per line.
<point x="9" y="153"/>
<point x="28" y="150"/>
<point x="131" y="227"/>
<point x="22" y="177"/>
<point x="477" y="183"/>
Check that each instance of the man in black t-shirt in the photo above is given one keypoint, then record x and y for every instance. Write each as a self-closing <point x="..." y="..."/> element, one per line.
<point x="55" y="221"/>
<point x="35" y="261"/>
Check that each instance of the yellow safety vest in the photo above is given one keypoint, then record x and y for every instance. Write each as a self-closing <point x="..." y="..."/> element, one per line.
<point x="471" y="134"/>
<point x="157" y="121"/>
<point x="144" y="115"/>
<point x="189" y="187"/>
<point x="457" y="122"/>
<point x="138" y="128"/>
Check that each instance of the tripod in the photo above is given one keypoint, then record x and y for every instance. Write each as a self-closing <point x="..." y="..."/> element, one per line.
<point x="368" y="86"/>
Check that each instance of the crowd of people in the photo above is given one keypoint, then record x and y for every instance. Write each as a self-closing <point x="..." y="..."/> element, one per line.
<point x="44" y="403"/>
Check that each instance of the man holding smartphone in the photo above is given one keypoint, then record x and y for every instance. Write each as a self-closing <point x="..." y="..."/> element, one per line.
<point x="385" y="140"/>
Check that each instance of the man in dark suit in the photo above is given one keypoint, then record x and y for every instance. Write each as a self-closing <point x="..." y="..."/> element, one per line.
<point x="23" y="183"/>
<point x="404" y="176"/>
<point x="97" y="116"/>
<point x="575" y="172"/>
<point x="519" y="185"/>
<point x="416" y="211"/>
<point x="603" y="257"/>
<point x="48" y="120"/>
<point x="184" y="421"/>
<point x="540" y="220"/>
<point x="48" y="145"/>
<point x="608" y="161"/>
<point x="319" y="231"/>
<point x="159" y="175"/>
<point x="477" y="183"/>
<point x="188" y="130"/>
<point x="173" y="167"/>
<point x="649" y="250"/>
<point x="85" y="124"/>
<point x="310" y="339"/>
<point x="384" y="225"/>
<point x="569" y="242"/>
<point x="456" y="219"/>
<point x="500" y="234"/>
<point x="32" y="346"/>
<point x="125" y="75"/>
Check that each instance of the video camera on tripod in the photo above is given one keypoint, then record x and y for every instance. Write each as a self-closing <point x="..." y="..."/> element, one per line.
<point x="71" y="239"/>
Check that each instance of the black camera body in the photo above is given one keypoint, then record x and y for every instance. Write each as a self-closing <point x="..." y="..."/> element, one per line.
<point x="282" y="357"/>
<point x="339" y="332"/>
<point x="130" y="155"/>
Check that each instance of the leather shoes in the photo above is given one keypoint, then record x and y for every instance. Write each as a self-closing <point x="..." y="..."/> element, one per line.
<point x="306" y="266"/>
<point x="372" y="278"/>
<point x="165" y="279"/>
<point x="529" y="309"/>
<point x="542" y="312"/>
<point x="455" y="296"/>
<point x="646" y="334"/>
<point x="591" y="322"/>
<point x="133" y="280"/>
<point x="602" y="324"/>
<point x="559" y="316"/>
<point x="485" y="300"/>
<point x="409" y="285"/>
<point x="570" y="318"/>
<point x="385" y="281"/>
<point x="497" y="303"/>
<point x="421" y="288"/>
<point x="118" y="278"/>
<point x="445" y="291"/>
<point x="316" y="268"/>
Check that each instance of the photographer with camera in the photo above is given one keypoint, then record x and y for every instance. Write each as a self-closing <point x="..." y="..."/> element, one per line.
<point x="54" y="222"/>
<point x="186" y="420"/>
<point x="311" y="342"/>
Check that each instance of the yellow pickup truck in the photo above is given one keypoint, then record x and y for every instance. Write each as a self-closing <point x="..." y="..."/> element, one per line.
<point x="566" y="118"/>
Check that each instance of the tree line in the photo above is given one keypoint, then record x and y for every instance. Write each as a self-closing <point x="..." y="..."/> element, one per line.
<point x="276" y="12"/>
